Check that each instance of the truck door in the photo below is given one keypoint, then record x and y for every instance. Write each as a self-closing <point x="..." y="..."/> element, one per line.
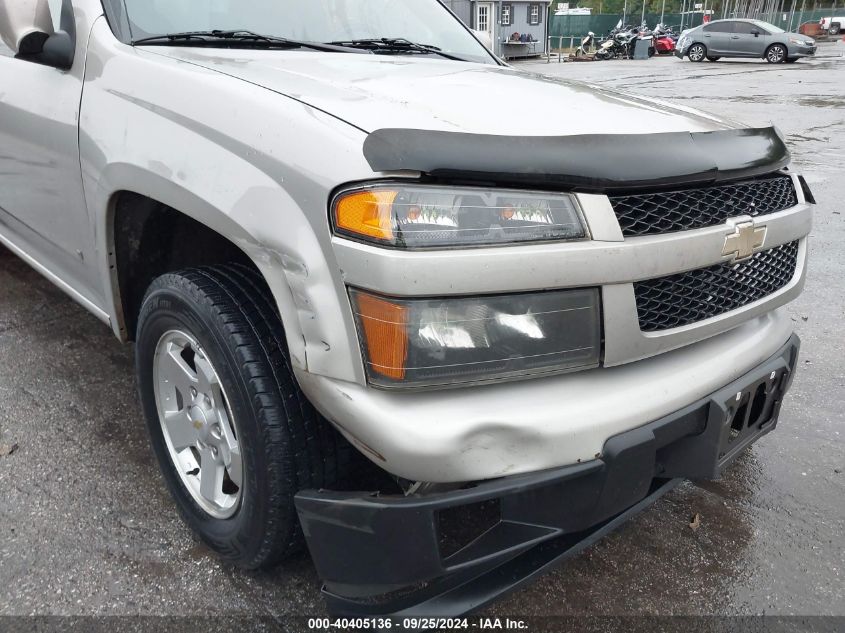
<point x="42" y="204"/>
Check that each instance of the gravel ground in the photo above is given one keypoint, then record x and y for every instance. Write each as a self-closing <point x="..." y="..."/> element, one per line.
<point x="87" y="528"/>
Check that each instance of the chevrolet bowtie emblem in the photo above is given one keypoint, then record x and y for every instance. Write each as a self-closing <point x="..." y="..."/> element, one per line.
<point x="746" y="239"/>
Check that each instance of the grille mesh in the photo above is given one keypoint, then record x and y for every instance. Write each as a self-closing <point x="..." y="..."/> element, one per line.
<point x="678" y="300"/>
<point x="670" y="211"/>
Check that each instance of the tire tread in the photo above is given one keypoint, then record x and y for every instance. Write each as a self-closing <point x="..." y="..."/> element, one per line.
<point x="300" y="448"/>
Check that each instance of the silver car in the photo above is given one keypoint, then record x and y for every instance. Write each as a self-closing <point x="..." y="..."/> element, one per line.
<point x="744" y="38"/>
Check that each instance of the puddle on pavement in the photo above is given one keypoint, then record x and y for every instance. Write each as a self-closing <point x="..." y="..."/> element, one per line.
<point x="823" y="101"/>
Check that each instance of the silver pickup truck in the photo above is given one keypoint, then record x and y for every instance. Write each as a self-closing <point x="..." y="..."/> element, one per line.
<point x="342" y="228"/>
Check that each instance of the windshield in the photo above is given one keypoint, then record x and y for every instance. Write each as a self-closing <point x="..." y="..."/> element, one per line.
<point x="421" y="21"/>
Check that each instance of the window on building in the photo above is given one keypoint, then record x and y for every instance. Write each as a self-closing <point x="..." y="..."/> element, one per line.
<point x="507" y="14"/>
<point x="534" y="14"/>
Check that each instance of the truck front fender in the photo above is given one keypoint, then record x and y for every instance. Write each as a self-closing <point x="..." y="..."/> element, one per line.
<point x="243" y="161"/>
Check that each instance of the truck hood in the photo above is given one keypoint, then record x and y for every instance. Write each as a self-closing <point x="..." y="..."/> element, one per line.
<point x="373" y="92"/>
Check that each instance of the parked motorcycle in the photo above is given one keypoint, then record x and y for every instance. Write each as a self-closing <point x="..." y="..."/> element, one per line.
<point x="667" y="31"/>
<point x="664" y="40"/>
<point x="605" y="50"/>
<point x="627" y="39"/>
<point x="587" y="44"/>
<point x="617" y="44"/>
<point x="622" y="41"/>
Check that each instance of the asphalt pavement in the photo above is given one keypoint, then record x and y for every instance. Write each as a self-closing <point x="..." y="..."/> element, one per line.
<point x="87" y="528"/>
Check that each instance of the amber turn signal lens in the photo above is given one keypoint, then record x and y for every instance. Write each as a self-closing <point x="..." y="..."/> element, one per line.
<point x="415" y="216"/>
<point x="385" y="333"/>
<point x="366" y="213"/>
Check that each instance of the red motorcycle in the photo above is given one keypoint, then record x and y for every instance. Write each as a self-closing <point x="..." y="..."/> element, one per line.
<point x="664" y="40"/>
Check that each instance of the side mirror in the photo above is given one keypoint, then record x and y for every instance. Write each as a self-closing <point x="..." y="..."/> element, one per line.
<point x="755" y="32"/>
<point x="26" y="26"/>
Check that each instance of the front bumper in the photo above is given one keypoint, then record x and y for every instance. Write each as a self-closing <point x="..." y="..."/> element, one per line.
<point x="802" y="51"/>
<point x="450" y="553"/>
<point x="491" y="431"/>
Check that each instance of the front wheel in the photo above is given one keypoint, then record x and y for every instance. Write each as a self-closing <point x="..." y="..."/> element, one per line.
<point x="834" y="30"/>
<point x="697" y="53"/>
<point x="603" y="54"/>
<point x="776" y="53"/>
<point x="234" y="436"/>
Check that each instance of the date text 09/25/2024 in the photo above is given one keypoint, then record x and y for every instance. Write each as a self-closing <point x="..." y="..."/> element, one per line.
<point x="413" y="624"/>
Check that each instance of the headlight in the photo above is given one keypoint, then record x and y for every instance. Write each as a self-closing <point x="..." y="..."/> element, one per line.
<point x="800" y="42"/>
<point x="416" y="342"/>
<point x="419" y="216"/>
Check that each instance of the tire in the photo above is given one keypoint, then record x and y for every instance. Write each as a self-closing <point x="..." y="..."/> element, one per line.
<point x="776" y="53"/>
<point x="711" y="58"/>
<point x="834" y="29"/>
<point x="697" y="53"/>
<point x="227" y="314"/>
<point x="601" y="55"/>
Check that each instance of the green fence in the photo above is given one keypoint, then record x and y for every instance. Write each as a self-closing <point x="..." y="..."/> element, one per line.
<point x="578" y="25"/>
<point x="791" y="22"/>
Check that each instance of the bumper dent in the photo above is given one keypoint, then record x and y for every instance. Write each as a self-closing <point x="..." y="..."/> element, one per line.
<point x="367" y="547"/>
<point x="484" y="432"/>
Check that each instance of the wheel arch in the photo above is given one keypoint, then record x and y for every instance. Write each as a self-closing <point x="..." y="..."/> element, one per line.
<point x="146" y="215"/>
<point x="143" y="233"/>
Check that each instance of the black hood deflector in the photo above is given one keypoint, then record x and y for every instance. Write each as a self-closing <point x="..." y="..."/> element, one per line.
<point x="589" y="162"/>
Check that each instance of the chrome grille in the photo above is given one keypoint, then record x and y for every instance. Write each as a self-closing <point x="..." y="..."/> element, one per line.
<point x="670" y="211"/>
<point x="685" y="298"/>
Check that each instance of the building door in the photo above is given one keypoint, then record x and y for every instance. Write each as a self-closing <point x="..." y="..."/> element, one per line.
<point x="484" y="18"/>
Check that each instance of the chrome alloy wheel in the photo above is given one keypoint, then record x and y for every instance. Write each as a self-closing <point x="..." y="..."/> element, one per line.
<point x="696" y="53"/>
<point x="776" y="54"/>
<point x="198" y="427"/>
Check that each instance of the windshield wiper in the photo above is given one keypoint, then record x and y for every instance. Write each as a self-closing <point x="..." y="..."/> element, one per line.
<point x="395" y="45"/>
<point x="216" y="37"/>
